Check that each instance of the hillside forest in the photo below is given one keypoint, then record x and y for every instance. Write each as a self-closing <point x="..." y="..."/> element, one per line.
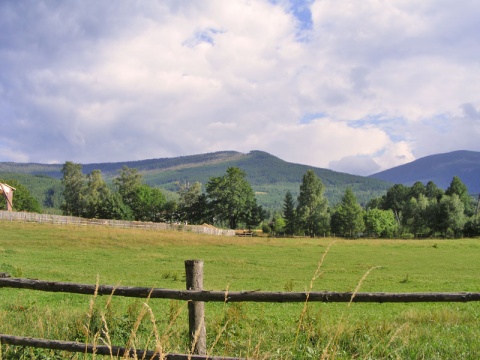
<point x="269" y="176"/>
<point x="415" y="211"/>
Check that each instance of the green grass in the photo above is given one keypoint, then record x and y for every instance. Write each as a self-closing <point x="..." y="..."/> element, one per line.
<point x="130" y="257"/>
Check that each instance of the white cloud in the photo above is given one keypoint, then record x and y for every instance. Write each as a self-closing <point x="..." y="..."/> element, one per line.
<point x="443" y="133"/>
<point x="360" y="165"/>
<point x="88" y="81"/>
<point x="323" y="140"/>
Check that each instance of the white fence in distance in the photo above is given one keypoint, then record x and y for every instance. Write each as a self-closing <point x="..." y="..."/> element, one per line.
<point x="71" y="220"/>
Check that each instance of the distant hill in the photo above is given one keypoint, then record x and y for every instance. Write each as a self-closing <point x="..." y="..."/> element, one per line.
<point x="439" y="168"/>
<point x="269" y="176"/>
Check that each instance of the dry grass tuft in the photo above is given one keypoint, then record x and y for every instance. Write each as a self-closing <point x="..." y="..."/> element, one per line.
<point x="316" y="275"/>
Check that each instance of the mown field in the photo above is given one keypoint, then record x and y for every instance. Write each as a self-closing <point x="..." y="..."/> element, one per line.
<point x="130" y="257"/>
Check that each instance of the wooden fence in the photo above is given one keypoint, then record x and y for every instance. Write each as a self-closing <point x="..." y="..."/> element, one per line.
<point x="196" y="296"/>
<point x="72" y="220"/>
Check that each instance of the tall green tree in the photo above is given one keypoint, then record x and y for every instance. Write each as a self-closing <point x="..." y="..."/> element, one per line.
<point x="459" y="188"/>
<point x="380" y="223"/>
<point x="312" y="208"/>
<point x="170" y="212"/>
<point x="277" y="225"/>
<point x="94" y="195"/>
<point x="199" y="212"/>
<point x="416" y="190"/>
<point x="99" y="202"/>
<point x="145" y="202"/>
<point x="73" y="182"/>
<point x="112" y="207"/>
<point x="193" y="204"/>
<point x="395" y="199"/>
<point x="231" y="198"/>
<point x="148" y="204"/>
<point x="432" y="191"/>
<point x="255" y="215"/>
<point x="472" y="226"/>
<point x="188" y="199"/>
<point x="450" y="217"/>
<point x="415" y="217"/>
<point x="289" y="214"/>
<point x="347" y="220"/>
<point x="127" y="183"/>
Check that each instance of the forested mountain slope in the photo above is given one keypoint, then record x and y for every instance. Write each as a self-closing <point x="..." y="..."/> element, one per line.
<point x="269" y="176"/>
<point x="111" y="169"/>
<point x="440" y="169"/>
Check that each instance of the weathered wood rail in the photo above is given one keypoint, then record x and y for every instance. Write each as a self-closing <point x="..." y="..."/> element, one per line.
<point x="196" y="297"/>
<point x="112" y="351"/>
<point x="238" y="296"/>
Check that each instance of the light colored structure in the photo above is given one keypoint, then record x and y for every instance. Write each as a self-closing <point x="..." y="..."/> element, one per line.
<point x="7" y="192"/>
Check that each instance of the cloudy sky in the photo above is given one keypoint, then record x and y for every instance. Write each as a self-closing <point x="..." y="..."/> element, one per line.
<point x="354" y="86"/>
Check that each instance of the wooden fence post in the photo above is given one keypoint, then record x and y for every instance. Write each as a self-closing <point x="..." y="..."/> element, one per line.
<point x="196" y="309"/>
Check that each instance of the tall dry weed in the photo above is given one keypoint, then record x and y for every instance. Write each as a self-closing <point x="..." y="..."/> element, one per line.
<point x="315" y="276"/>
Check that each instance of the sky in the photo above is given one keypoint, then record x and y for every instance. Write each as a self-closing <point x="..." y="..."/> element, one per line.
<point x="353" y="86"/>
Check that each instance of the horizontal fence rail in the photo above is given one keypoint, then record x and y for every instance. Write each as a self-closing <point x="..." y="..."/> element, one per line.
<point x="72" y="220"/>
<point x="237" y="296"/>
<point x="116" y="351"/>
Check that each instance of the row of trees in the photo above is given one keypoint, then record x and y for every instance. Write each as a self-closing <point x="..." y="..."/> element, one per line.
<point x="426" y="210"/>
<point x="416" y="211"/>
<point x="229" y="200"/>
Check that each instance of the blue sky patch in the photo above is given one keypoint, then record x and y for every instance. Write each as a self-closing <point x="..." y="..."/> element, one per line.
<point x="371" y="120"/>
<point x="301" y="10"/>
<point x="394" y="127"/>
<point x="203" y="36"/>
<point x="308" y="118"/>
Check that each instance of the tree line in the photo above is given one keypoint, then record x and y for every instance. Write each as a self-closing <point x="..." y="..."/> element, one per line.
<point x="407" y="212"/>
<point x="229" y="201"/>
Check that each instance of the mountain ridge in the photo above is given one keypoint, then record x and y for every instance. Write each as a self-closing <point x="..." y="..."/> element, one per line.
<point x="439" y="168"/>
<point x="54" y="170"/>
<point x="269" y="176"/>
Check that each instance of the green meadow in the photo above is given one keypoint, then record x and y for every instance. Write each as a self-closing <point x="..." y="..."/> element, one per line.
<point x="128" y="257"/>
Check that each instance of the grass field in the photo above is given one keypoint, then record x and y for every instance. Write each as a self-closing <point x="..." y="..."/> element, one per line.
<point x="130" y="257"/>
